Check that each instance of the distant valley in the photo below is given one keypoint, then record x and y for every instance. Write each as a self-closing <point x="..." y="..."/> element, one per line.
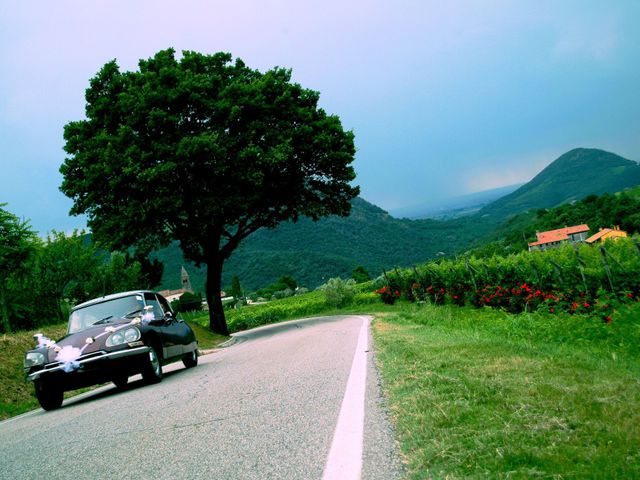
<point x="454" y="207"/>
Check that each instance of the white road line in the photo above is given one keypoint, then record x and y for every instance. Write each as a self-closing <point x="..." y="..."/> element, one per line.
<point x="345" y="456"/>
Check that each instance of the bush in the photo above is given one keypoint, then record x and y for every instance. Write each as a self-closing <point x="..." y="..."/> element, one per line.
<point x="189" y="302"/>
<point x="338" y="292"/>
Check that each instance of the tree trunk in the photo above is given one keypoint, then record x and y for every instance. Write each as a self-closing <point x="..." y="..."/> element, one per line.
<point x="217" y="322"/>
<point x="4" y="311"/>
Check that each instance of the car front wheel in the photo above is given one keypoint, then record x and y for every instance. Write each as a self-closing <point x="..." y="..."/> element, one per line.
<point x="190" y="360"/>
<point x="152" y="370"/>
<point x="48" y="396"/>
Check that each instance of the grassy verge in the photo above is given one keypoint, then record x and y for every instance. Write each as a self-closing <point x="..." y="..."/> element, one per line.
<point x="483" y="394"/>
<point x="310" y="304"/>
<point x="17" y="393"/>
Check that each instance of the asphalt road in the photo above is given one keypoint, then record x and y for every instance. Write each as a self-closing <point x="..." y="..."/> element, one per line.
<point x="264" y="408"/>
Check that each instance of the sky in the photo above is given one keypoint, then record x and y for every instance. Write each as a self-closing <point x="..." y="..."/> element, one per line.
<point x="445" y="97"/>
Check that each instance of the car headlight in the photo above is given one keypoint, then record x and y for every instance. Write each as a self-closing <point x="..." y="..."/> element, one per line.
<point x="32" y="359"/>
<point x="128" y="335"/>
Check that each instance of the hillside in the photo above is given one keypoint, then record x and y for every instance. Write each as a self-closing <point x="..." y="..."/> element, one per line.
<point x="313" y="252"/>
<point x="573" y="176"/>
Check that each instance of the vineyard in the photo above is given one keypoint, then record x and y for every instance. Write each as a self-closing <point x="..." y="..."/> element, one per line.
<point x="584" y="279"/>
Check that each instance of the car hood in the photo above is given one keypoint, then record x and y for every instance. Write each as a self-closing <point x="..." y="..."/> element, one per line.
<point x="89" y="340"/>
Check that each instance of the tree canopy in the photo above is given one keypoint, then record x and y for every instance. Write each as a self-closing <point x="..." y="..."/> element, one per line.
<point x="203" y="150"/>
<point x="17" y="241"/>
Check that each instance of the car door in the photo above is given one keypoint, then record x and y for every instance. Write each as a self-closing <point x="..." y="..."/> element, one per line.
<point x="168" y="327"/>
<point x="184" y="336"/>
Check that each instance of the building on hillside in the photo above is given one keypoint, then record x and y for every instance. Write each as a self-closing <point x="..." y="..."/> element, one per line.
<point x="555" y="238"/>
<point x="606" y="233"/>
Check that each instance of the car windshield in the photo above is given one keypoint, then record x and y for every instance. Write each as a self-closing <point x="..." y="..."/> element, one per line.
<point x="104" y="312"/>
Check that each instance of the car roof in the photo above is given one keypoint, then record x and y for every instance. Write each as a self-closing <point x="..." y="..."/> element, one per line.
<point x="110" y="297"/>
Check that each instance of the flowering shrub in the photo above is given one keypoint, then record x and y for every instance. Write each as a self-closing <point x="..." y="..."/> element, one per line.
<point x="584" y="280"/>
<point x="388" y="295"/>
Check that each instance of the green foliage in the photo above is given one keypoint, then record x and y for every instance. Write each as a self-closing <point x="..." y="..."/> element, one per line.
<point x="236" y="289"/>
<point x="360" y="274"/>
<point x="64" y="270"/>
<point x="205" y="151"/>
<point x="295" y="307"/>
<point x="284" y="287"/>
<point x="17" y="244"/>
<point x="338" y="293"/>
<point x="188" y="302"/>
<point x="288" y="308"/>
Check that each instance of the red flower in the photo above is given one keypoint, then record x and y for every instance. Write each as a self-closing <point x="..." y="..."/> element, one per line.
<point x="586" y="305"/>
<point x="608" y="318"/>
<point x="551" y="310"/>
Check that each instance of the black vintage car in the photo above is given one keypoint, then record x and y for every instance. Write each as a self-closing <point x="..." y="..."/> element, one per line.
<point x="109" y="339"/>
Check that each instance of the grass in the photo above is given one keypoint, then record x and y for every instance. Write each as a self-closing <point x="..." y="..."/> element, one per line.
<point x="17" y="393"/>
<point x="483" y="394"/>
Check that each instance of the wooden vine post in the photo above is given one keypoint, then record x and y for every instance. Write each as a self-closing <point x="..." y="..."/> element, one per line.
<point x="607" y="269"/>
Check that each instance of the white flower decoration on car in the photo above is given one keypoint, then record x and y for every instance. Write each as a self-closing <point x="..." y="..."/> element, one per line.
<point x="110" y="329"/>
<point x="148" y="314"/>
<point x="89" y="340"/>
<point x="69" y="355"/>
<point x="136" y="321"/>
<point x="44" y="341"/>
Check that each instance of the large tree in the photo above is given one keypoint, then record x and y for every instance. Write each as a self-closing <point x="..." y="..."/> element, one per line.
<point x="203" y="150"/>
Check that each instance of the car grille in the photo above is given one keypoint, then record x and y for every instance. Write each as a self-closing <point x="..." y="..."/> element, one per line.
<point x="82" y="357"/>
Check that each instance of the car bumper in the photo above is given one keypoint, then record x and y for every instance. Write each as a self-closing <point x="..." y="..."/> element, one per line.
<point x="105" y="364"/>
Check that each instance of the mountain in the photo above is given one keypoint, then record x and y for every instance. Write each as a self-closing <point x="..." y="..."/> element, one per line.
<point x="313" y="252"/>
<point x="573" y="176"/>
<point x="454" y="207"/>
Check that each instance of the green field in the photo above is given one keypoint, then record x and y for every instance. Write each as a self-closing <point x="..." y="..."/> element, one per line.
<point x="485" y="394"/>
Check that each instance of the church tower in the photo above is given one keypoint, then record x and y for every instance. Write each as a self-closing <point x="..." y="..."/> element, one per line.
<point x="186" y="283"/>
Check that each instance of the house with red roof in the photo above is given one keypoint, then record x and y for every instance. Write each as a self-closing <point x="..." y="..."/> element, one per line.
<point x="555" y="238"/>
